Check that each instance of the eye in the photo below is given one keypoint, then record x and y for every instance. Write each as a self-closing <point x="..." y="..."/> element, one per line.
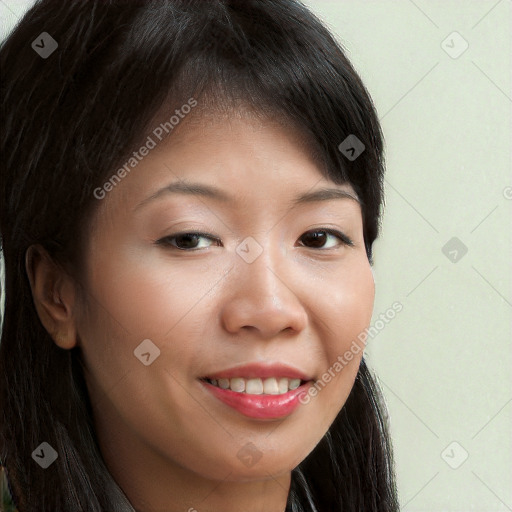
<point x="318" y="237"/>
<point x="186" y="241"/>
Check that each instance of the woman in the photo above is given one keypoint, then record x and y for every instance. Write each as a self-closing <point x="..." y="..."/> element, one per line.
<point x="190" y="193"/>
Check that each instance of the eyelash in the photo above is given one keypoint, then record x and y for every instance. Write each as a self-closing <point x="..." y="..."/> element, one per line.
<point x="345" y="240"/>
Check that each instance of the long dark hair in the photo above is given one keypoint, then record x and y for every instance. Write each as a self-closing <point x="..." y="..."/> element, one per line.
<point x="70" y="118"/>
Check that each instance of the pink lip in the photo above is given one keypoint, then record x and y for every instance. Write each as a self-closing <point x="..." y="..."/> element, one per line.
<point x="260" y="370"/>
<point x="259" y="406"/>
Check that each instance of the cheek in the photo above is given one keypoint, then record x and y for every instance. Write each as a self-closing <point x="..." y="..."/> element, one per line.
<point x="348" y="306"/>
<point x="346" y="310"/>
<point x="150" y="292"/>
<point x="144" y="296"/>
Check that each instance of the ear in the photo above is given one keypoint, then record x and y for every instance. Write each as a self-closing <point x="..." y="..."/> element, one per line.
<point x="54" y="295"/>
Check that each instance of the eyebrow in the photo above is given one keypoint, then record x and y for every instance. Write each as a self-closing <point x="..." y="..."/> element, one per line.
<point x="211" y="192"/>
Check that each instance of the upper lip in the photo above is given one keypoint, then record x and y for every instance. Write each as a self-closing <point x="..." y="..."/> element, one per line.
<point x="260" y="370"/>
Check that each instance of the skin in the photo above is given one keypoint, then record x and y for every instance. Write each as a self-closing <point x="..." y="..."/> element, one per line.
<point x="168" y="442"/>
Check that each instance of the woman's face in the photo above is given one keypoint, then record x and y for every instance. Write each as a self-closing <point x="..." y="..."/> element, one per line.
<point x="264" y="286"/>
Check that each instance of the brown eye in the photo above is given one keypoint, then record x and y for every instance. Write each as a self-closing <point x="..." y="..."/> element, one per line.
<point x="316" y="239"/>
<point x="185" y="241"/>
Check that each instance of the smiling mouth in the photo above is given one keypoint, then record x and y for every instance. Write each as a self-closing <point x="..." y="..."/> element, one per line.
<point x="257" y="386"/>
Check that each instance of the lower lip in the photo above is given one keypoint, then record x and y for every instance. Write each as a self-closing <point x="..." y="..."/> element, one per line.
<point x="259" y="406"/>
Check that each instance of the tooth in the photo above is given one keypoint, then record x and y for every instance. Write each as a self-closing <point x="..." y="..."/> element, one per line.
<point x="238" y="384"/>
<point x="294" y="383"/>
<point x="223" y="383"/>
<point x="254" y="387"/>
<point x="214" y="381"/>
<point x="283" y="385"/>
<point x="270" y="386"/>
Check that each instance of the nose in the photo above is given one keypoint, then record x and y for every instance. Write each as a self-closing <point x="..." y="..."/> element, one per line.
<point x="263" y="298"/>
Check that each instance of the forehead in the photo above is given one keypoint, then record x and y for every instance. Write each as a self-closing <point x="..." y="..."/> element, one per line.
<point x="244" y="155"/>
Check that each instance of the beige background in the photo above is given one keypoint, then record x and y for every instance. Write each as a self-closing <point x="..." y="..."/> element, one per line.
<point x="444" y="361"/>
